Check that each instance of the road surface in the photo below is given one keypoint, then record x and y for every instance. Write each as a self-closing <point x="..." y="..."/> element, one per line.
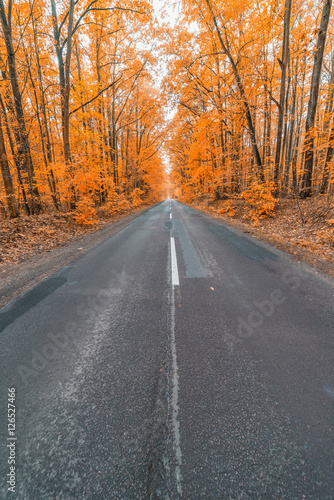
<point x="177" y="359"/>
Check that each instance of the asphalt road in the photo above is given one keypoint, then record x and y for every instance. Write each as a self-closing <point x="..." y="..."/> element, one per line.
<point x="177" y="359"/>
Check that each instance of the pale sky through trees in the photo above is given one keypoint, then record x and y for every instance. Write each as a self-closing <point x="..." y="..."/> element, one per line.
<point x="166" y="10"/>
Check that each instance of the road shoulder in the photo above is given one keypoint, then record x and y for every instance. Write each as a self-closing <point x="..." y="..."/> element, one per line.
<point x="320" y="264"/>
<point x="16" y="279"/>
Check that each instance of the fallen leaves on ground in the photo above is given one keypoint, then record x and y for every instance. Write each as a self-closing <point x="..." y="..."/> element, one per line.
<point x="22" y="237"/>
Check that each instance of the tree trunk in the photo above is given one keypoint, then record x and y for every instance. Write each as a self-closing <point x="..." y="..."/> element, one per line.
<point x="299" y="116"/>
<point x="7" y="178"/>
<point x="329" y="157"/>
<point x="283" y="182"/>
<point x="66" y="89"/>
<point x="306" y="183"/>
<point x="251" y="128"/>
<point x="327" y="121"/>
<point x="291" y="129"/>
<point x="43" y="134"/>
<point x="281" y="109"/>
<point x="15" y="156"/>
<point x="220" y="112"/>
<point x="64" y="84"/>
<point x="84" y="120"/>
<point x="24" y="153"/>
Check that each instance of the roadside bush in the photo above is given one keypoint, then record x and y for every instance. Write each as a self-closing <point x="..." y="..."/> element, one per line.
<point x="260" y="200"/>
<point x="123" y="204"/>
<point x="135" y="197"/>
<point x="226" y="208"/>
<point x="85" y="214"/>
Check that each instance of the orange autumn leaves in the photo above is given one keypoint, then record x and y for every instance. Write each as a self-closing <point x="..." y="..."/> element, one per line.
<point x="90" y="125"/>
<point x="86" y="95"/>
<point x="226" y="75"/>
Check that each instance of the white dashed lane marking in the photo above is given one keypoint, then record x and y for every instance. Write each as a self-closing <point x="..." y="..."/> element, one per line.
<point x="175" y="272"/>
<point x="175" y="375"/>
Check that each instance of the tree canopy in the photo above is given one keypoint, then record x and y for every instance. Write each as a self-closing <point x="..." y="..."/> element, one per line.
<point x="102" y="104"/>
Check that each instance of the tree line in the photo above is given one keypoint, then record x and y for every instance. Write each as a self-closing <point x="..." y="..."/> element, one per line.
<point x="81" y="118"/>
<point x="83" y="96"/>
<point x="253" y="82"/>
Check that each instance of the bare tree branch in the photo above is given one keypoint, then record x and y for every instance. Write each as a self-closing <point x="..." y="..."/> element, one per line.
<point x="97" y="95"/>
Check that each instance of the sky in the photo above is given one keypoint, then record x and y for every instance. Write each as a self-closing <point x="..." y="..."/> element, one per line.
<point x="167" y="10"/>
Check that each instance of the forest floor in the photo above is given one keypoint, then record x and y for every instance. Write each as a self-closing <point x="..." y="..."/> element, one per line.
<point x="26" y="236"/>
<point x="303" y="228"/>
<point x="33" y="248"/>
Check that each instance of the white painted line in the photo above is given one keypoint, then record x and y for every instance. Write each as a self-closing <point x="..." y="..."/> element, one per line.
<point x="175" y="400"/>
<point x="175" y="376"/>
<point x="175" y="272"/>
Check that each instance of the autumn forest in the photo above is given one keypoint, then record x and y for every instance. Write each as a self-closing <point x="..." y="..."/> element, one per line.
<point x="107" y="105"/>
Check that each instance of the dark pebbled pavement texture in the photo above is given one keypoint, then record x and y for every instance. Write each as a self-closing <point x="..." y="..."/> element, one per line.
<point x="89" y="353"/>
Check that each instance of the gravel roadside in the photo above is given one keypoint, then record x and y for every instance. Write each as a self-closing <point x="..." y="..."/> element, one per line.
<point x="18" y="278"/>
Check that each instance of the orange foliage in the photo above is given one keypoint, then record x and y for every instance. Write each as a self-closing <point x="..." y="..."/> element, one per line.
<point x="96" y="129"/>
<point x="96" y="126"/>
<point x="260" y="200"/>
